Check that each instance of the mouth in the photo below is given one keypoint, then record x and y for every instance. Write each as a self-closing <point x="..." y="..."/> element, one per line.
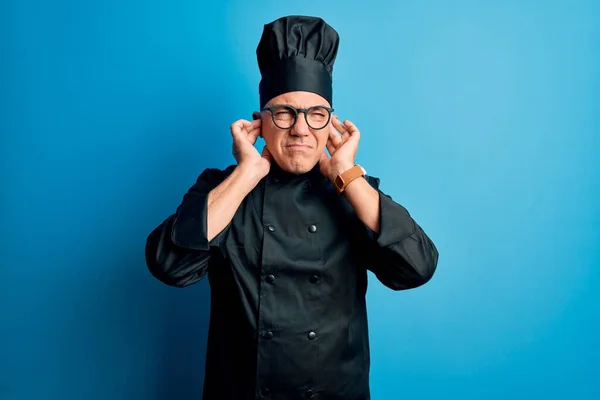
<point x="298" y="146"/>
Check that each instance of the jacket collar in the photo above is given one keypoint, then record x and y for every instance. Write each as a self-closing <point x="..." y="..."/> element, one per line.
<point x="276" y="173"/>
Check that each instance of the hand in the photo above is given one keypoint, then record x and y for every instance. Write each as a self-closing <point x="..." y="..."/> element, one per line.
<point x="244" y="135"/>
<point x="342" y="144"/>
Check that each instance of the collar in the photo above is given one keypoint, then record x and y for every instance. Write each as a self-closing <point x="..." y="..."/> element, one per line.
<point x="276" y="174"/>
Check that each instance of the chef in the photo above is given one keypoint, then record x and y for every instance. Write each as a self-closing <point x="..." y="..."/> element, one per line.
<point x="286" y="236"/>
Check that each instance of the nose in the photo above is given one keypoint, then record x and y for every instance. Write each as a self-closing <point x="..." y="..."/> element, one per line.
<point x="300" y="128"/>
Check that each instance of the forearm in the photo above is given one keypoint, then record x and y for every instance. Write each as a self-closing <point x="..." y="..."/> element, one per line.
<point x="399" y="252"/>
<point x="364" y="199"/>
<point x="171" y="264"/>
<point x="225" y="199"/>
<point x="178" y="251"/>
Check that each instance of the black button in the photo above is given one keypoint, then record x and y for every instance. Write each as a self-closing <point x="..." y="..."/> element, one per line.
<point x="265" y="392"/>
<point x="309" y="394"/>
<point x="314" y="279"/>
<point x="269" y="335"/>
<point x="312" y="229"/>
<point x="270" y="279"/>
<point x="271" y="228"/>
<point x="312" y="335"/>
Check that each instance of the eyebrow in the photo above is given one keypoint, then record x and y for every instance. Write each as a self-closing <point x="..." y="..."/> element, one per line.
<point x="290" y="105"/>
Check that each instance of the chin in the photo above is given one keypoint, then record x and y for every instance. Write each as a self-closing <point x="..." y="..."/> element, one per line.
<point x="298" y="165"/>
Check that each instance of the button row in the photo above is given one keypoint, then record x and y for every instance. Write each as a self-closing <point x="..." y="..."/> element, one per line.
<point x="269" y="335"/>
<point x="311" y="228"/>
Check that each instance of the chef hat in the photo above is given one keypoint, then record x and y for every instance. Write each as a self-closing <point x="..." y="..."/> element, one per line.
<point x="296" y="53"/>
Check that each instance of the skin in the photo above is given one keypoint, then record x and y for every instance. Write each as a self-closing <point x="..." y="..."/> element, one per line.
<point x="295" y="150"/>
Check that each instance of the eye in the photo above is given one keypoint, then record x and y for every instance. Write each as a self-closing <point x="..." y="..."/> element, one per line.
<point x="284" y="114"/>
<point x="318" y="113"/>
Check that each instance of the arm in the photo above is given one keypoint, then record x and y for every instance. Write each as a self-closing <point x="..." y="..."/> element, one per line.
<point x="399" y="252"/>
<point x="179" y="250"/>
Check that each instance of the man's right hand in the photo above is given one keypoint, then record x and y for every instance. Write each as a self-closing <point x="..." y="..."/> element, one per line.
<point x="244" y="135"/>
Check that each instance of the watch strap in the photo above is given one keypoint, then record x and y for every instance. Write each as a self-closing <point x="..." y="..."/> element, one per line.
<point x="344" y="179"/>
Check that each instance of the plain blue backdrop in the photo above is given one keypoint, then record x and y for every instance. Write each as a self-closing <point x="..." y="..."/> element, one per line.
<point x="480" y="117"/>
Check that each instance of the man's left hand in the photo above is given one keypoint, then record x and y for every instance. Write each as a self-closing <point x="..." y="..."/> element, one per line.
<point x="342" y="145"/>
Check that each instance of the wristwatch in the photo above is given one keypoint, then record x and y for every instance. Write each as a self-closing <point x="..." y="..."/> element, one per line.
<point x="343" y="180"/>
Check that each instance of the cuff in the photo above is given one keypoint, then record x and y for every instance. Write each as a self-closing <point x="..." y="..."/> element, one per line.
<point x="190" y="225"/>
<point x="395" y="223"/>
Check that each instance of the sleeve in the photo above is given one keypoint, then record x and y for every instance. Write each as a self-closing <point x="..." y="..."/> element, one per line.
<point x="401" y="255"/>
<point x="177" y="251"/>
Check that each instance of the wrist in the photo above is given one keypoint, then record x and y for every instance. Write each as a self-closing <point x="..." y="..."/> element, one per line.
<point x="347" y="177"/>
<point x="250" y="174"/>
<point x="339" y="169"/>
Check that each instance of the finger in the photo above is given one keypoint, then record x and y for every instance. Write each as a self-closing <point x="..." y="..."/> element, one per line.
<point x="246" y="130"/>
<point x="253" y="135"/>
<point x="341" y="128"/>
<point x="256" y="123"/>
<point x="254" y="131"/>
<point x="335" y="137"/>
<point x="330" y="147"/>
<point x="255" y="128"/>
<point x="236" y="129"/>
<point x="240" y="126"/>
<point x="248" y="126"/>
<point x="351" y="129"/>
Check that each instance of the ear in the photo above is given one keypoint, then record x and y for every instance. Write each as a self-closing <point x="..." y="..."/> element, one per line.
<point x="255" y="116"/>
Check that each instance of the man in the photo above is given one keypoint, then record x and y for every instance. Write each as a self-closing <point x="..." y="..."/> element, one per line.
<point x="286" y="237"/>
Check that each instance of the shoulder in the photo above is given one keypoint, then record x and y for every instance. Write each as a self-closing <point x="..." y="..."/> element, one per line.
<point x="216" y="173"/>
<point x="212" y="177"/>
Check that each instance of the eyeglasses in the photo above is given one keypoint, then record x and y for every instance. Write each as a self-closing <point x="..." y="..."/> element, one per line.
<point x="285" y="116"/>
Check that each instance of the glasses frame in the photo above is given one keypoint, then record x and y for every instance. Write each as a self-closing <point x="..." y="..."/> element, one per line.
<point x="296" y="111"/>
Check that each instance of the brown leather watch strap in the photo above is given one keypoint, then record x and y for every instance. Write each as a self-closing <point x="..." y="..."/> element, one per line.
<point x="344" y="179"/>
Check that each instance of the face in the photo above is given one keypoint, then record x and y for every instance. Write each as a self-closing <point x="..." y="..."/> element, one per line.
<point x="296" y="150"/>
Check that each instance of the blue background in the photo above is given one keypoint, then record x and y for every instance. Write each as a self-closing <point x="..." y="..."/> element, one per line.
<point x="480" y="117"/>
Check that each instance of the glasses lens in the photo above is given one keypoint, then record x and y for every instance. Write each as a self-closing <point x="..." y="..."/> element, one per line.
<point x="284" y="117"/>
<point x="318" y="117"/>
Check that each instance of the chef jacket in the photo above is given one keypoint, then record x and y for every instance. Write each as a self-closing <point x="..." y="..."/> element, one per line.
<point x="288" y="279"/>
